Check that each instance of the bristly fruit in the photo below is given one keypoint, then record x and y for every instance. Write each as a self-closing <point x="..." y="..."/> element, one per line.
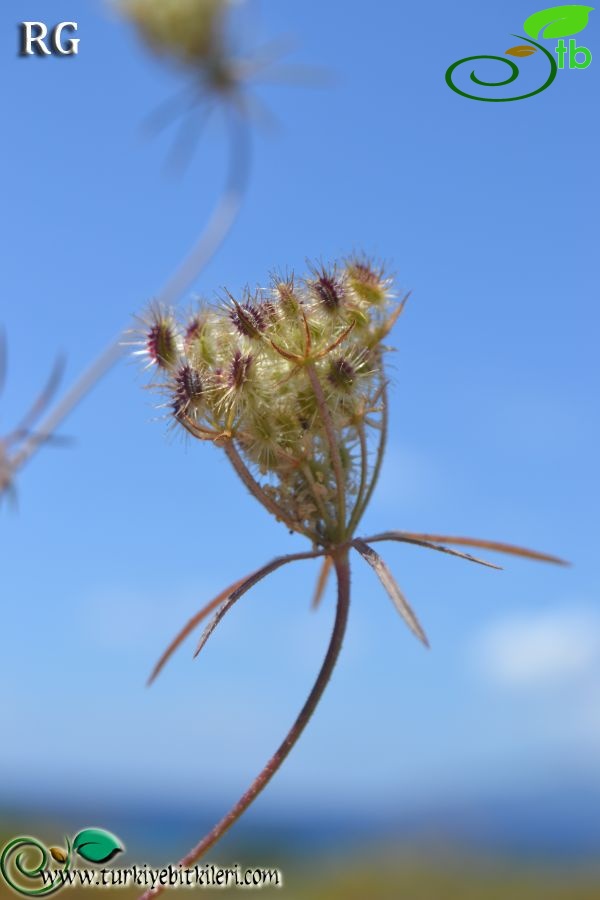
<point x="328" y="287"/>
<point x="162" y="341"/>
<point x="280" y="378"/>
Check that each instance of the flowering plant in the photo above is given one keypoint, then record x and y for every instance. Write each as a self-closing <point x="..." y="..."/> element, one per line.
<point x="290" y="383"/>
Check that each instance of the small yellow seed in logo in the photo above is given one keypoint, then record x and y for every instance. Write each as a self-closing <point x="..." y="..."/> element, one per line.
<point x="521" y="50"/>
<point x="58" y="854"/>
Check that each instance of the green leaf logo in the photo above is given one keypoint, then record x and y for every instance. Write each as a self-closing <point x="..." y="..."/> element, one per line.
<point x="96" y="845"/>
<point x="557" y="21"/>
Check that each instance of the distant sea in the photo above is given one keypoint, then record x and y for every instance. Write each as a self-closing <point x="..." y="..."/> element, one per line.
<point x="538" y="824"/>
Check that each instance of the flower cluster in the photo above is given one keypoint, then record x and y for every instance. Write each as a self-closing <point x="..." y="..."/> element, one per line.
<point x="290" y="381"/>
<point x="191" y="32"/>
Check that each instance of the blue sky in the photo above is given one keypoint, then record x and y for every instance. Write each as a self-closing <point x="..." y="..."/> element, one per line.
<point x="487" y="212"/>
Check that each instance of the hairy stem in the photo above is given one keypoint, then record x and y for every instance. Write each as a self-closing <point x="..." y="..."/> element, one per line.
<point x="499" y="546"/>
<point x="342" y="568"/>
<point x="191" y="625"/>
<point x="360" y="509"/>
<point x="314" y="490"/>
<point x="257" y="491"/>
<point x="334" y="450"/>
<point x="364" y="470"/>
<point x="253" y="579"/>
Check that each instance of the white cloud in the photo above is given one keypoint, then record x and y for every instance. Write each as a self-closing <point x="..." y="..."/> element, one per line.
<point x="550" y="647"/>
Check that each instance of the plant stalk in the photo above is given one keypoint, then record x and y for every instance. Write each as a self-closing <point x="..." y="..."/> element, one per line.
<point x="257" y="491"/>
<point x="334" y="450"/>
<point x="342" y="568"/>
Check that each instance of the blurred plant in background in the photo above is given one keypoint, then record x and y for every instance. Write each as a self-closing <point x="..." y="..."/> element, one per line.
<point x="23" y="438"/>
<point x="194" y="33"/>
<point x="190" y="32"/>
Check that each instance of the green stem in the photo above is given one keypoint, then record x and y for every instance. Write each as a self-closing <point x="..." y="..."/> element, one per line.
<point x="364" y="467"/>
<point x="334" y="450"/>
<point x="359" y="510"/>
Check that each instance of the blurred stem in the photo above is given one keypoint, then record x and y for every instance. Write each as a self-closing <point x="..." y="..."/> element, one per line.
<point x="210" y="240"/>
<point x="342" y="568"/>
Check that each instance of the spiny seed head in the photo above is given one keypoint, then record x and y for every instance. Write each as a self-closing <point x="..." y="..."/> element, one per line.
<point x="188" y="390"/>
<point x="239" y="369"/>
<point x="328" y="289"/>
<point x="285" y="294"/>
<point x="249" y="318"/>
<point x="297" y="392"/>
<point x="367" y="281"/>
<point x="341" y="374"/>
<point x="193" y="331"/>
<point x="162" y="342"/>
<point x="270" y="311"/>
<point x="199" y="339"/>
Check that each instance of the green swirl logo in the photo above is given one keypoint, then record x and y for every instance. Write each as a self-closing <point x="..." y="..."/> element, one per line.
<point x="554" y="22"/>
<point x="18" y="867"/>
<point x="34" y="870"/>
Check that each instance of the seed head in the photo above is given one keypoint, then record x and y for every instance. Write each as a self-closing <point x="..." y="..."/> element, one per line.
<point x="239" y="369"/>
<point x="342" y="374"/>
<point x="367" y="281"/>
<point x="249" y="318"/>
<point x="188" y="391"/>
<point x="193" y="34"/>
<point x="193" y="332"/>
<point x="328" y="289"/>
<point x="162" y="340"/>
<point x="285" y="296"/>
<point x="188" y="30"/>
<point x="295" y="393"/>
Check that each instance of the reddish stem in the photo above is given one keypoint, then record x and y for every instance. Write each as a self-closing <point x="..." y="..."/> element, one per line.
<point x="342" y="569"/>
